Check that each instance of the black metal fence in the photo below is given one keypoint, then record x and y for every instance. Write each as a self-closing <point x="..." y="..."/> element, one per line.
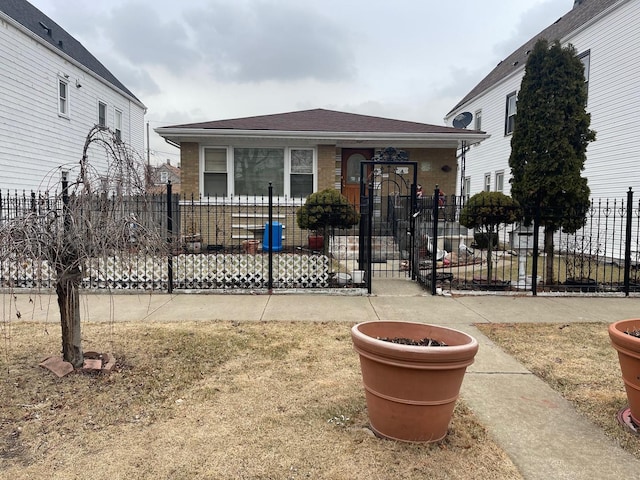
<point x="253" y="244"/>
<point x="602" y="256"/>
<point x="256" y="244"/>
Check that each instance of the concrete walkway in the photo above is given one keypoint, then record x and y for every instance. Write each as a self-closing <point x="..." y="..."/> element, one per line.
<point x="538" y="429"/>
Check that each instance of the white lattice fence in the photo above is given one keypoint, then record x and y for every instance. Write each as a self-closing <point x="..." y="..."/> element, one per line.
<point x="191" y="271"/>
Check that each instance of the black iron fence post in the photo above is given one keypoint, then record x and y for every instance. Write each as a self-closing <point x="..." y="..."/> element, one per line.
<point x="169" y="237"/>
<point x="536" y="238"/>
<point x="414" y="212"/>
<point x="434" y="239"/>
<point x="369" y="239"/>
<point x="270" y="241"/>
<point x="627" y="243"/>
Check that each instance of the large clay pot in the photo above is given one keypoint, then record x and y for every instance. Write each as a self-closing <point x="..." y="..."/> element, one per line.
<point x="628" y="348"/>
<point x="411" y="391"/>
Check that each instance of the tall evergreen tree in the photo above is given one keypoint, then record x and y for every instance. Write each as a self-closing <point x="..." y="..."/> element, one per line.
<point x="549" y="142"/>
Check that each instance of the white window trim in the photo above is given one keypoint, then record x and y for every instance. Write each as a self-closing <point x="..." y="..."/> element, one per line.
<point x="287" y="169"/>
<point x="201" y="171"/>
<point x="498" y="174"/>
<point x="106" y="109"/>
<point x="513" y="95"/>
<point x="477" y="115"/>
<point x="587" y="68"/>
<point x="64" y="80"/>
<point x="487" y="176"/>
<point x="467" y="188"/>
<point x="249" y="199"/>
<point x="117" y="113"/>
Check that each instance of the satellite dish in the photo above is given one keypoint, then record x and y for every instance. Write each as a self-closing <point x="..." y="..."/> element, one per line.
<point x="462" y="120"/>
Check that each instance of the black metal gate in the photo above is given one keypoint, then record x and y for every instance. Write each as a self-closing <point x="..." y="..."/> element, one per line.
<point x="388" y="210"/>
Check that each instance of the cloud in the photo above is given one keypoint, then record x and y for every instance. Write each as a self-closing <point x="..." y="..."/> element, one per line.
<point x="143" y="38"/>
<point x="531" y="22"/>
<point x="256" y="41"/>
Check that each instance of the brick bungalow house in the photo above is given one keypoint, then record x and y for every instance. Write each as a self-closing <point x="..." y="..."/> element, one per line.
<point x="233" y="161"/>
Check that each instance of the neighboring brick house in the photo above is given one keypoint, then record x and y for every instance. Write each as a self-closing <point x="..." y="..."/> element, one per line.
<point x="606" y="35"/>
<point x="303" y="152"/>
<point x="53" y="92"/>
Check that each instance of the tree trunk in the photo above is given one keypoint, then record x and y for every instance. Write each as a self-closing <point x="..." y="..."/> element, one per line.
<point x="489" y="259"/>
<point x="67" y="289"/>
<point x="548" y="250"/>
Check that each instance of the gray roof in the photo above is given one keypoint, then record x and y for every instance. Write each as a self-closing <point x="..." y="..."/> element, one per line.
<point x="33" y="19"/>
<point x="320" y="120"/>
<point x="582" y="12"/>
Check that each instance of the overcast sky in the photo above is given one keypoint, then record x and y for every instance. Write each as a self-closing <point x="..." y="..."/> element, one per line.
<point x="200" y="60"/>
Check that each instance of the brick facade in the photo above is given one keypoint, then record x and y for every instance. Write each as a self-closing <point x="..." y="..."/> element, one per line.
<point x="189" y="168"/>
<point x="327" y="166"/>
<point x="431" y="162"/>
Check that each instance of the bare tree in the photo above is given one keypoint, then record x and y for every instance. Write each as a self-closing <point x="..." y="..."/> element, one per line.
<point x="97" y="212"/>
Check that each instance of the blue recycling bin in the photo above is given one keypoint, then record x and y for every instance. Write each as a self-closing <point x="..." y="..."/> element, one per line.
<point x="277" y="237"/>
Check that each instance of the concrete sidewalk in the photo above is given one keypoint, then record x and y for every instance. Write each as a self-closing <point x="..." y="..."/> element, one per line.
<point x="538" y="429"/>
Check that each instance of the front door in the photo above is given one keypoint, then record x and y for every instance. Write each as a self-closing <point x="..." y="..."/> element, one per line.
<point x="351" y="159"/>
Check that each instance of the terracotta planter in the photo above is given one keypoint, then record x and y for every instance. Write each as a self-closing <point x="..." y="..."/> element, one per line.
<point x="628" y="348"/>
<point x="316" y="242"/>
<point x="411" y="391"/>
<point x="251" y="246"/>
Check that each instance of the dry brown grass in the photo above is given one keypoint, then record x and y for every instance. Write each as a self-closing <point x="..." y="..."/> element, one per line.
<point x="579" y="362"/>
<point x="215" y="400"/>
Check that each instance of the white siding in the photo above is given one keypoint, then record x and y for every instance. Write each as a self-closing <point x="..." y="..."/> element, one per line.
<point x="35" y="142"/>
<point x="613" y="160"/>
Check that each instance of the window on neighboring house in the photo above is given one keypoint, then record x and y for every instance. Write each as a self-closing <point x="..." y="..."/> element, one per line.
<point x="118" y="125"/>
<point x="102" y="114"/>
<point x="478" y="120"/>
<point x="255" y="168"/>
<point x="487" y="182"/>
<point x="164" y="177"/>
<point x="63" y="97"/>
<point x="511" y="113"/>
<point x="301" y="175"/>
<point x="585" y="58"/>
<point x="499" y="181"/>
<point x="215" y="172"/>
<point x="467" y="189"/>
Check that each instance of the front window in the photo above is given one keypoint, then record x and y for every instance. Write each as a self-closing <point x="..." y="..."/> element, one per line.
<point x="511" y="113"/>
<point x="301" y="177"/>
<point x="63" y="97"/>
<point x="499" y="181"/>
<point x="118" y="125"/>
<point x="487" y="182"/>
<point x="164" y="177"/>
<point x="247" y="172"/>
<point x="215" y="172"/>
<point x="102" y="114"/>
<point x="255" y="168"/>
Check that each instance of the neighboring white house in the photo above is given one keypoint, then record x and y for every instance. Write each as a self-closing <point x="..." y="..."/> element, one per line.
<point x="606" y="34"/>
<point x="53" y="92"/>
